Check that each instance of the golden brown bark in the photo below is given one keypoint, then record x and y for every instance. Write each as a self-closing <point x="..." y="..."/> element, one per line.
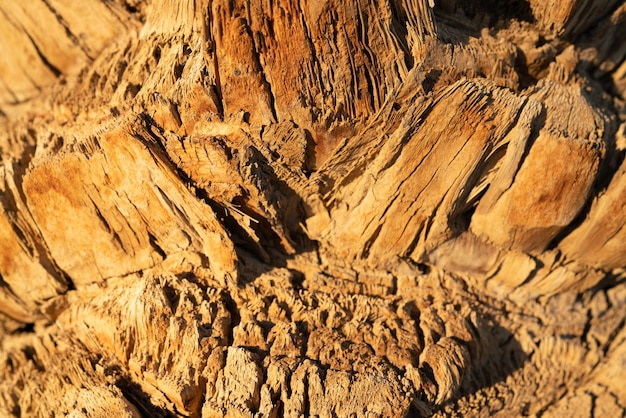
<point x="286" y="208"/>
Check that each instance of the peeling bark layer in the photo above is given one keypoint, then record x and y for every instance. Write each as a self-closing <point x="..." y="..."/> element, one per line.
<point x="261" y="208"/>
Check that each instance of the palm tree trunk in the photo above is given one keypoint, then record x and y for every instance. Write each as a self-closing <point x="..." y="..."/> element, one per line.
<point x="285" y="208"/>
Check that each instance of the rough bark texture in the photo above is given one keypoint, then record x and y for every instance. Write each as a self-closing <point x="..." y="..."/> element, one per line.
<point x="286" y="208"/>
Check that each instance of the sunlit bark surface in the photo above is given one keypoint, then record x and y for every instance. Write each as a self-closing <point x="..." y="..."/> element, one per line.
<point x="271" y="208"/>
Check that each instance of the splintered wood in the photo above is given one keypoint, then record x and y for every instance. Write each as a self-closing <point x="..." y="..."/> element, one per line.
<point x="335" y="209"/>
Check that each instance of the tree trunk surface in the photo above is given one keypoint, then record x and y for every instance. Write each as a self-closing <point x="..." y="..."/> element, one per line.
<point x="257" y="208"/>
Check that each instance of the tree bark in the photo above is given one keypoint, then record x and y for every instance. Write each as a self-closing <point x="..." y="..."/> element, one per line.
<point x="281" y="208"/>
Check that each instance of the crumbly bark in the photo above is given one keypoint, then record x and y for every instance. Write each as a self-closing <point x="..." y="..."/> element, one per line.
<point x="361" y="208"/>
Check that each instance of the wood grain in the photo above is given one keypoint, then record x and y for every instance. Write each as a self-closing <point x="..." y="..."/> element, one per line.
<point x="281" y="208"/>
